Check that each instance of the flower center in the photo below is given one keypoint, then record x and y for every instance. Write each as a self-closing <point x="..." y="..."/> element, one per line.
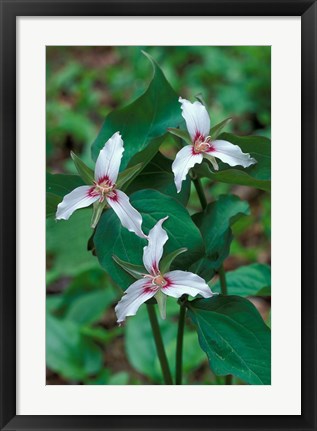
<point x="104" y="188"/>
<point x="159" y="281"/>
<point x="202" y="144"/>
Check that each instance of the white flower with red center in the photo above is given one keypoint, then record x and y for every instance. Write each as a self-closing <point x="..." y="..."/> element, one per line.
<point x="154" y="283"/>
<point x="104" y="189"/>
<point x="198" y="126"/>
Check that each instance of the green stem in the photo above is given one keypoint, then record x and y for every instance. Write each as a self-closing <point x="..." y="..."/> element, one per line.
<point x="179" y="345"/>
<point x="159" y="345"/>
<point x="223" y="281"/>
<point x="200" y="192"/>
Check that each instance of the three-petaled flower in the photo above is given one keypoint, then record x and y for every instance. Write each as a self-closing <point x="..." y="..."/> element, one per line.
<point x="104" y="189"/>
<point x="198" y="125"/>
<point x="154" y="283"/>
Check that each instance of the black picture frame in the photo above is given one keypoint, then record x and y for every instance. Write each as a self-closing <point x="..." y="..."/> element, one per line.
<point x="10" y="10"/>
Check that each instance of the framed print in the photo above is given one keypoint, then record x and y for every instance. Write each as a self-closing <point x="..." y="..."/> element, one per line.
<point x="155" y="273"/>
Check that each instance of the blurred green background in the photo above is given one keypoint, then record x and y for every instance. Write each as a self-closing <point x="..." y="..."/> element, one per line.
<point x="84" y="344"/>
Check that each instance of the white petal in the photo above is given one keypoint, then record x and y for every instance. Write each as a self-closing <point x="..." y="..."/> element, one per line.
<point x="130" y="218"/>
<point x="153" y="252"/>
<point x="78" y="198"/>
<point x="184" y="160"/>
<point x="196" y="117"/>
<point x="109" y="159"/>
<point x="139" y="292"/>
<point x="180" y="282"/>
<point x="231" y="154"/>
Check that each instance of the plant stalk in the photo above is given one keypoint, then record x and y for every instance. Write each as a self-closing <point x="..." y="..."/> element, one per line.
<point x="200" y="192"/>
<point x="223" y="281"/>
<point x="179" y="345"/>
<point x="159" y="345"/>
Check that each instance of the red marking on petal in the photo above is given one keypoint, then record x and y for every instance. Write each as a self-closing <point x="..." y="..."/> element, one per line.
<point x="155" y="269"/>
<point x="105" y="179"/>
<point x="149" y="288"/>
<point x="113" y="195"/>
<point x="168" y="283"/>
<point x="211" y="149"/>
<point x="194" y="152"/>
<point x="92" y="192"/>
<point x="199" y="136"/>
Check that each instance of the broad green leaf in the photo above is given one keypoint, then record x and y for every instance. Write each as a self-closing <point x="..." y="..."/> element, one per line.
<point x="101" y="335"/>
<point x="121" y="378"/>
<point x="83" y="170"/>
<point x="125" y="177"/>
<point x="112" y="239"/>
<point x="57" y="186"/>
<point x="68" y="352"/>
<point x="51" y="204"/>
<point x="53" y="303"/>
<point x="183" y="134"/>
<point x="91" y="307"/>
<point x="248" y="280"/>
<point x="258" y="175"/>
<point x="214" y="224"/>
<point x="144" y="122"/>
<point x="158" y="175"/>
<point x="66" y="244"/>
<point x="234" y="337"/>
<point x="89" y="281"/>
<point x="106" y="378"/>
<point x="137" y="271"/>
<point x="217" y="129"/>
<point x="169" y="259"/>
<point x="61" y="184"/>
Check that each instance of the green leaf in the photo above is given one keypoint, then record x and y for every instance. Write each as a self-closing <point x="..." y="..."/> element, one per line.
<point x="68" y="352"/>
<point x="125" y="177"/>
<point x="112" y="239"/>
<point x="137" y="271"/>
<point x="183" y="134"/>
<point x="216" y="130"/>
<point x="121" y="378"/>
<point x="160" y="168"/>
<point x="101" y="335"/>
<point x="92" y="280"/>
<point x="51" y="204"/>
<point x="258" y="175"/>
<point x="66" y="244"/>
<point x="169" y="259"/>
<point x="83" y="170"/>
<point x="144" y="122"/>
<point x="234" y="337"/>
<point x="91" y="307"/>
<point x="105" y="378"/>
<point x="57" y="186"/>
<point x="60" y="184"/>
<point x="214" y="224"/>
<point x="248" y="280"/>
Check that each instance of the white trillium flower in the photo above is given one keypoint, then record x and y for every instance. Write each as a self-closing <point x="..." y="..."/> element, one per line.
<point x="198" y="126"/>
<point x="104" y="188"/>
<point x="173" y="283"/>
